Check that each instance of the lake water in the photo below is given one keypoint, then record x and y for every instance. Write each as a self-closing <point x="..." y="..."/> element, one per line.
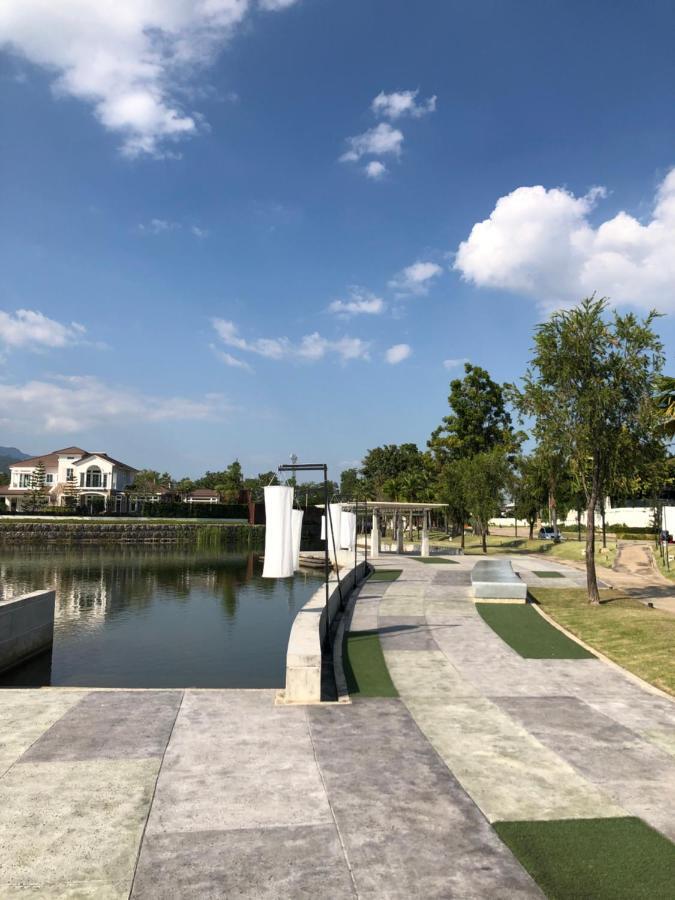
<point x="148" y="616"/>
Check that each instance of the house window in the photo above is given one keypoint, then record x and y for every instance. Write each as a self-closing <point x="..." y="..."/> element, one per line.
<point x="81" y="479"/>
<point x="24" y="480"/>
<point x="69" y="474"/>
<point x="49" y="479"/>
<point x="93" y="477"/>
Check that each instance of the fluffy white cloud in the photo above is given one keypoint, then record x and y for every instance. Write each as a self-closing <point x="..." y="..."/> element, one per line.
<point x="232" y="361"/>
<point x="163" y="226"/>
<point x="360" y="302"/>
<point x="415" y="279"/>
<point x="380" y="140"/>
<point x="129" y="58"/>
<point x="375" y="169"/>
<point x="397" y="354"/>
<point x="402" y="103"/>
<point x="311" y="347"/>
<point x="73" y="403"/>
<point x="542" y="244"/>
<point x="32" y="330"/>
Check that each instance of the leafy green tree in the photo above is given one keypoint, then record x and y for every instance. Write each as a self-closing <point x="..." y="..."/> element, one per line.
<point x="351" y="485"/>
<point x="530" y="490"/>
<point x="383" y="467"/>
<point x="484" y="476"/>
<point x="590" y="388"/>
<point x="479" y="420"/>
<point x="147" y="480"/>
<point x="450" y="488"/>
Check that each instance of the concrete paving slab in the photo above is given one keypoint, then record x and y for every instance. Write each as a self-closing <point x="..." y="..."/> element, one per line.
<point x="92" y="890"/>
<point x="426" y="675"/>
<point x="405" y="633"/>
<point x="402" y="606"/>
<point x="64" y="824"/>
<point x="110" y="725"/>
<point x="304" y="863"/>
<point x="238" y="762"/>
<point x="408" y="828"/>
<point x="25" y="715"/>
<point x="506" y="771"/>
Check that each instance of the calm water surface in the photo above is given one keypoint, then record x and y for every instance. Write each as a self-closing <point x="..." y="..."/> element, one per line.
<point x="156" y="616"/>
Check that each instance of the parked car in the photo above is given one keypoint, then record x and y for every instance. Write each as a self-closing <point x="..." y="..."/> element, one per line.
<point x="549" y="533"/>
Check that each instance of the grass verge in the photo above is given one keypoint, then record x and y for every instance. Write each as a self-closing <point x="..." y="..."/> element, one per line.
<point x="636" y="637"/>
<point x="548" y="574"/>
<point x="365" y="669"/>
<point x="523" y="629"/>
<point x="606" y="859"/>
<point x="436" y="560"/>
<point x="385" y="575"/>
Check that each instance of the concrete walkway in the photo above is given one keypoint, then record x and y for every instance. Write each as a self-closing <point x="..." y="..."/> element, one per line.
<point x="526" y="738"/>
<point x="200" y="794"/>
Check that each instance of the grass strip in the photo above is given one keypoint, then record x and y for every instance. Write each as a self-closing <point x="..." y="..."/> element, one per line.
<point x="385" y="574"/>
<point x="606" y="859"/>
<point x="636" y="637"/>
<point x="365" y="669"/>
<point x="435" y="560"/>
<point x="548" y="574"/>
<point x="530" y="635"/>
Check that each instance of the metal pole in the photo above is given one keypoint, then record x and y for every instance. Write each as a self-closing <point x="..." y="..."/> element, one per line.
<point x="326" y="561"/>
<point x="356" y="535"/>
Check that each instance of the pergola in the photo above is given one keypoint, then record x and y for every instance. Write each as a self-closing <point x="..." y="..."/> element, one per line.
<point x="397" y="510"/>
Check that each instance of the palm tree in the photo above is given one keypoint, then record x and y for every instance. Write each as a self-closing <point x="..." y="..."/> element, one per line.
<point x="665" y="399"/>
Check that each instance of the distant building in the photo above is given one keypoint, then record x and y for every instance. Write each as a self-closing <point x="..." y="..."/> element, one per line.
<point x="95" y="477"/>
<point x="203" y="495"/>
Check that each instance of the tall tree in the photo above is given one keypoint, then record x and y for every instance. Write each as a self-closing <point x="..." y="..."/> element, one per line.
<point x="590" y="388"/>
<point x="37" y="498"/>
<point x="485" y="475"/>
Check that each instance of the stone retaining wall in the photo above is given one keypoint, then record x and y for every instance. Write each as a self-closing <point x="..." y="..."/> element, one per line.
<point x="131" y="533"/>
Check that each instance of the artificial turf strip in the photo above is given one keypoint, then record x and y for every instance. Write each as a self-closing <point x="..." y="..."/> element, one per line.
<point x="385" y="575"/>
<point x="603" y="859"/>
<point x="528" y="633"/>
<point x="435" y="560"/>
<point x="548" y="574"/>
<point x="364" y="666"/>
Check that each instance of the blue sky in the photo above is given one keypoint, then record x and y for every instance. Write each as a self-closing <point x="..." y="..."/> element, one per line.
<point x="174" y="182"/>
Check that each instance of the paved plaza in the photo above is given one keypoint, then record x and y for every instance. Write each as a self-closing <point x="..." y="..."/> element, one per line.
<point x="213" y="793"/>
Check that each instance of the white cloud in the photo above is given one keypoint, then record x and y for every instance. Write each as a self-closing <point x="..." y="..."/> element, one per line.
<point x="397" y="354"/>
<point x="360" y="302"/>
<point x="454" y="363"/>
<point x="311" y="347"/>
<point x="230" y="360"/>
<point x="73" y="403"/>
<point x="415" y="279"/>
<point x="381" y="140"/>
<point x="541" y="243"/>
<point x="402" y="103"/>
<point x="199" y="232"/>
<point x="32" y="330"/>
<point x="163" y="226"/>
<point x="375" y="170"/>
<point x="129" y="59"/>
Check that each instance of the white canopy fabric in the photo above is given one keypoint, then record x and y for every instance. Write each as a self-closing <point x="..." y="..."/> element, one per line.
<point x="335" y="525"/>
<point x="279" y="562"/>
<point x="296" y="529"/>
<point x="348" y="530"/>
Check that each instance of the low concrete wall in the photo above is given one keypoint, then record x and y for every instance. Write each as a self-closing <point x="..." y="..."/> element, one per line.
<point x="495" y="580"/>
<point x="308" y="633"/>
<point x="26" y="627"/>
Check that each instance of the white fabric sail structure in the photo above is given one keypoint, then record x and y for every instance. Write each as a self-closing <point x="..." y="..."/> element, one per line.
<point x="323" y="528"/>
<point x="348" y="530"/>
<point x="278" y="532"/>
<point x="333" y="531"/>
<point x="296" y="530"/>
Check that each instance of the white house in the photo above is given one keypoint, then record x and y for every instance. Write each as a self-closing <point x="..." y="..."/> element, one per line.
<point x="96" y="475"/>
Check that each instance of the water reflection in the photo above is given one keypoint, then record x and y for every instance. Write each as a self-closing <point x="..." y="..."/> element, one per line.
<point x="156" y="616"/>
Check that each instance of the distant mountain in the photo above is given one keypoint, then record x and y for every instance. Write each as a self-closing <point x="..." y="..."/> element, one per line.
<point x="9" y="455"/>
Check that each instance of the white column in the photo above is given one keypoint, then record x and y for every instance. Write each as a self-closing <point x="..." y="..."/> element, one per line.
<point x="424" y="549"/>
<point x="375" y="536"/>
<point x="399" y="533"/>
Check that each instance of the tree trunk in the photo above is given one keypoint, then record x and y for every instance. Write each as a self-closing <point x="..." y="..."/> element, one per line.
<point x="591" y="577"/>
<point x="532" y="524"/>
<point x="604" y="525"/>
<point x="484" y="537"/>
<point x="462" y="533"/>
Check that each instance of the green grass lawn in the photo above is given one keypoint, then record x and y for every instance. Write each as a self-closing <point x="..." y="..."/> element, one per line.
<point x="547" y="573"/>
<point x="435" y="560"/>
<point x="602" y="859"/>
<point x="636" y="637"/>
<point x="385" y="575"/>
<point x="530" y="635"/>
<point x="569" y="549"/>
<point x="365" y="669"/>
